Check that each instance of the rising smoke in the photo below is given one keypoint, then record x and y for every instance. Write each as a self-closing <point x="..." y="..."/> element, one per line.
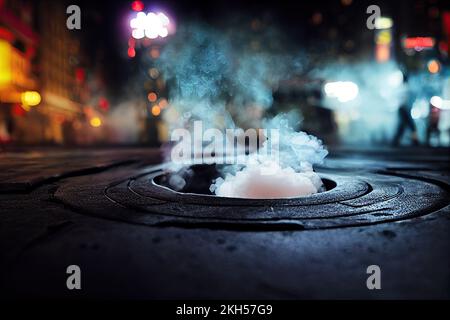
<point x="227" y="80"/>
<point x="226" y="84"/>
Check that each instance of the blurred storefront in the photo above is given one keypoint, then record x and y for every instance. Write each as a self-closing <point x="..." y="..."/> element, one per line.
<point x="19" y="120"/>
<point x="40" y="60"/>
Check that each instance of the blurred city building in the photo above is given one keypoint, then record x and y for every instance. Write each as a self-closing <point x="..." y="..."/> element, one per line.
<point x="347" y="84"/>
<point x="18" y="49"/>
<point x="59" y="59"/>
<point x="50" y="92"/>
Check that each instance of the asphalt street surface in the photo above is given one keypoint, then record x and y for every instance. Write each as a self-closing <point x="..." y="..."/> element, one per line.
<point x="105" y="211"/>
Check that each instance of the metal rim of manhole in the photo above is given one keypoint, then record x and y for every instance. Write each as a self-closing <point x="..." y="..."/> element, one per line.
<point x="350" y="199"/>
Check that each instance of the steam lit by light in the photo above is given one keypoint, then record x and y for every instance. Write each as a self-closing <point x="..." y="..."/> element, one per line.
<point x="420" y="109"/>
<point x="253" y="183"/>
<point x="434" y="66"/>
<point x="154" y="73"/>
<point x="154" y="53"/>
<point x="30" y="98"/>
<point x="384" y="37"/>
<point x="162" y="103"/>
<point x="415" y="113"/>
<point x="382" y="53"/>
<point x="344" y="91"/>
<point x="96" y="122"/>
<point x="151" y="25"/>
<point x="395" y="79"/>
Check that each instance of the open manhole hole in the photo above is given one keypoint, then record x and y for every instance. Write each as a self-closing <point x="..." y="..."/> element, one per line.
<point x="197" y="180"/>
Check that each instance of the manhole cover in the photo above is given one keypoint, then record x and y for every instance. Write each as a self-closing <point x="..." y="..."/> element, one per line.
<point x="351" y="198"/>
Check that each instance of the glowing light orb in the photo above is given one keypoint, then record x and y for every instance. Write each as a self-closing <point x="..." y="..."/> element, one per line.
<point x="154" y="53"/>
<point x="96" y="122"/>
<point x="163" y="103"/>
<point x="344" y="91"/>
<point x="137" y="5"/>
<point x="156" y="110"/>
<point x="383" y="23"/>
<point x="440" y="103"/>
<point x="30" y="98"/>
<point x="395" y="79"/>
<point x="154" y="73"/>
<point x="152" y="97"/>
<point x="434" y="66"/>
<point x="151" y="25"/>
<point x="436" y="101"/>
<point x="131" y="52"/>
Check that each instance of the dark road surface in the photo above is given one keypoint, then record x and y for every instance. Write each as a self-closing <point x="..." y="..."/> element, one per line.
<point x="99" y="209"/>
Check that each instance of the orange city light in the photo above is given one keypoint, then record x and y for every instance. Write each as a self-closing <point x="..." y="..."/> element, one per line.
<point x="30" y="98"/>
<point x="156" y="110"/>
<point x="5" y="67"/>
<point x="434" y="66"/>
<point x="382" y="53"/>
<point x="96" y="122"/>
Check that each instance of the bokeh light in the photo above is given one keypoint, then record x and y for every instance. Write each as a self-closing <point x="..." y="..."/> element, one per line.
<point x="383" y="23"/>
<point x="156" y="110"/>
<point x="95" y="122"/>
<point x="344" y="91"/>
<point x="153" y="73"/>
<point x="151" y="25"/>
<point x="434" y="66"/>
<point x="30" y="98"/>
<point x="131" y="52"/>
<point x="137" y="5"/>
<point x="163" y="103"/>
<point x="152" y="97"/>
<point x="154" y="53"/>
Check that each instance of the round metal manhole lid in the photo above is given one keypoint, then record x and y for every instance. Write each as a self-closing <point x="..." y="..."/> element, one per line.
<point x="353" y="199"/>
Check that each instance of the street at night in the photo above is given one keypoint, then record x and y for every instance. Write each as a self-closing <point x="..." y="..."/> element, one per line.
<point x="252" y="151"/>
<point x="98" y="209"/>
